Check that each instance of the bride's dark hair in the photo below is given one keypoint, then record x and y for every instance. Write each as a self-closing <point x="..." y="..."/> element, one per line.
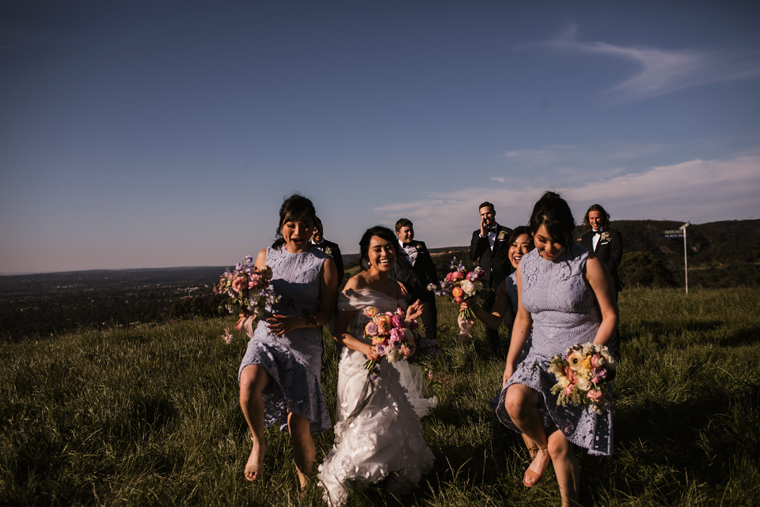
<point x="380" y="232"/>
<point x="552" y="212"/>
<point x="298" y="208"/>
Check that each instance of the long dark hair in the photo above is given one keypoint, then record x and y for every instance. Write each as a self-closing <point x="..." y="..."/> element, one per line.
<point x="298" y="208"/>
<point x="380" y="232"/>
<point x="552" y="212"/>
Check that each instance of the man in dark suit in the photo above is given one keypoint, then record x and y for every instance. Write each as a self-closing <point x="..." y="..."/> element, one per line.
<point x="489" y="248"/>
<point x="328" y="247"/>
<point x="415" y="270"/>
<point x="607" y="244"/>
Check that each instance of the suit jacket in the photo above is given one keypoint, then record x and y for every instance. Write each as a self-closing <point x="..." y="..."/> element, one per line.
<point x="609" y="249"/>
<point x="495" y="262"/>
<point x="416" y="278"/>
<point x="333" y="250"/>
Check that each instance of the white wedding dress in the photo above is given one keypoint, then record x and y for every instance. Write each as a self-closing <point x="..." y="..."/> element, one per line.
<point x="384" y="439"/>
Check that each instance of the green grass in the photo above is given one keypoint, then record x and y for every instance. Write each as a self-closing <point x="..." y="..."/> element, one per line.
<point x="149" y="416"/>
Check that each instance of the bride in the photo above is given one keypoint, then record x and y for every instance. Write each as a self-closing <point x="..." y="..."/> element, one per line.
<point x="378" y="434"/>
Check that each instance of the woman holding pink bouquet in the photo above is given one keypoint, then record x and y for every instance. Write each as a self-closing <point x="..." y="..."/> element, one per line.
<point x="279" y="375"/>
<point x="378" y="433"/>
<point x="567" y="296"/>
<point x="505" y="306"/>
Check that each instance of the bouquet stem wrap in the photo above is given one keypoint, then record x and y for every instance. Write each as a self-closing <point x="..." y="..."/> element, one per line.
<point x="465" y="320"/>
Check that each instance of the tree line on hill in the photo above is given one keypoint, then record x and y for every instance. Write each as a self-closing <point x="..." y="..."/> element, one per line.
<point x="720" y="254"/>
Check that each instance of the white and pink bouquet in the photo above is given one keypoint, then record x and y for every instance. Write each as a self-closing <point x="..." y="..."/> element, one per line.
<point x="460" y="285"/>
<point x="248" y="292"/>
<point x="582" y="376"/>
<point x="394" y="338"/>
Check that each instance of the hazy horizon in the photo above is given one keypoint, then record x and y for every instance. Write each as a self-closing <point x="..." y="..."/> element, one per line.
<point x="231" y="264"/>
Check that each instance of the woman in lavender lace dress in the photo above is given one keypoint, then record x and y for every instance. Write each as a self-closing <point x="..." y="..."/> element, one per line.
<point x="279" y="374"/>
<point x="566" y="294"/>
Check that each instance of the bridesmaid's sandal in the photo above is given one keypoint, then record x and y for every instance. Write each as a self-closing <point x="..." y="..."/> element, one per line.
<point x="255" y="462"/>
<point x="538" y="466"/>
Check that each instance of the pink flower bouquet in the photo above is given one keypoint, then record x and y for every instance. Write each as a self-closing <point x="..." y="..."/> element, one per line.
<point x="248" y="292"/>
<point x="582" y="373"/>
<point x="460" y="285"/>
<point x="394" y="338"/>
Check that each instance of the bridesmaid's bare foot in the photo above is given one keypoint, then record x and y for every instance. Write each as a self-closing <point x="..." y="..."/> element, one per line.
<point x="253" y="468"/>
<point x="303" y="482"/>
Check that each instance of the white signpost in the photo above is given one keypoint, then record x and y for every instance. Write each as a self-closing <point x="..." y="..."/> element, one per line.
<point x="677" y="233"/>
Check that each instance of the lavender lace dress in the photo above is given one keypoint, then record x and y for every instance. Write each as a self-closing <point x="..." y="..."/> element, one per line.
<point x="293" y="360"/>
<point x="385" y="439"/>
<point x="564" y="313"/>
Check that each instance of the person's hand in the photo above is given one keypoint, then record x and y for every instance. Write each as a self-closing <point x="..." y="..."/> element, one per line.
<point x="401" y="286"/>
<point x="371" y="353"/>
<point x="414" y="310"/>
<point x="469" y="303"/>
<point x="508" y="371"/>
<point x="280" y="324"/>
<point x="483" y="229"/>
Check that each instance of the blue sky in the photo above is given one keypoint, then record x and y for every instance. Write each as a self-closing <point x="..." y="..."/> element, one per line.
<point x="157" y="134"/>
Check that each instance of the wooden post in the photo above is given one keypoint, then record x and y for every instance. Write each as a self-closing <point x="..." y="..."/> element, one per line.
<point x="685" y="258"/>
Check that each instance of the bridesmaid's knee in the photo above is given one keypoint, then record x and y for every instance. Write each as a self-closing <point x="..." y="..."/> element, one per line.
<point x="515" y="400"/>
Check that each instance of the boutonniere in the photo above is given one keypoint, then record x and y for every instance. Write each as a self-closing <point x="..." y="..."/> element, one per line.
<point x="328" y="251"/>
<point x="502" y="236"/>
<point x="605" y="237"/>
<point x="418" y="246"/>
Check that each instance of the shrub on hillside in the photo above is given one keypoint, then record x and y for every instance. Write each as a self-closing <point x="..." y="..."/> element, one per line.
<point x="643" y="269"/>
<point x="206" y="305"/>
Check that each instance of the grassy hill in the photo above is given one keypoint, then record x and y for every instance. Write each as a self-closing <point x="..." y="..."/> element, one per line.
<point x="149" y="415"/>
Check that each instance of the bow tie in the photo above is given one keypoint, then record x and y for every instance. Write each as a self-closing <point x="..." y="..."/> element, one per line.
<point x="491" y="229"/>
<point x="596" y="233"/>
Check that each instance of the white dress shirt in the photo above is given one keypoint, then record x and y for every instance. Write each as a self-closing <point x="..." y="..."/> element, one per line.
<point x="409" y="251"/>
<point x="595" y="238"/>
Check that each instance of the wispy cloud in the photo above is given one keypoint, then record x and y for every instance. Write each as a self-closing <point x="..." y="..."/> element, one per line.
<point x="696" y="190"/>
<point x="500" y="179"/>
<point x="663" y="71"/>
<point x="575" y="164"/>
